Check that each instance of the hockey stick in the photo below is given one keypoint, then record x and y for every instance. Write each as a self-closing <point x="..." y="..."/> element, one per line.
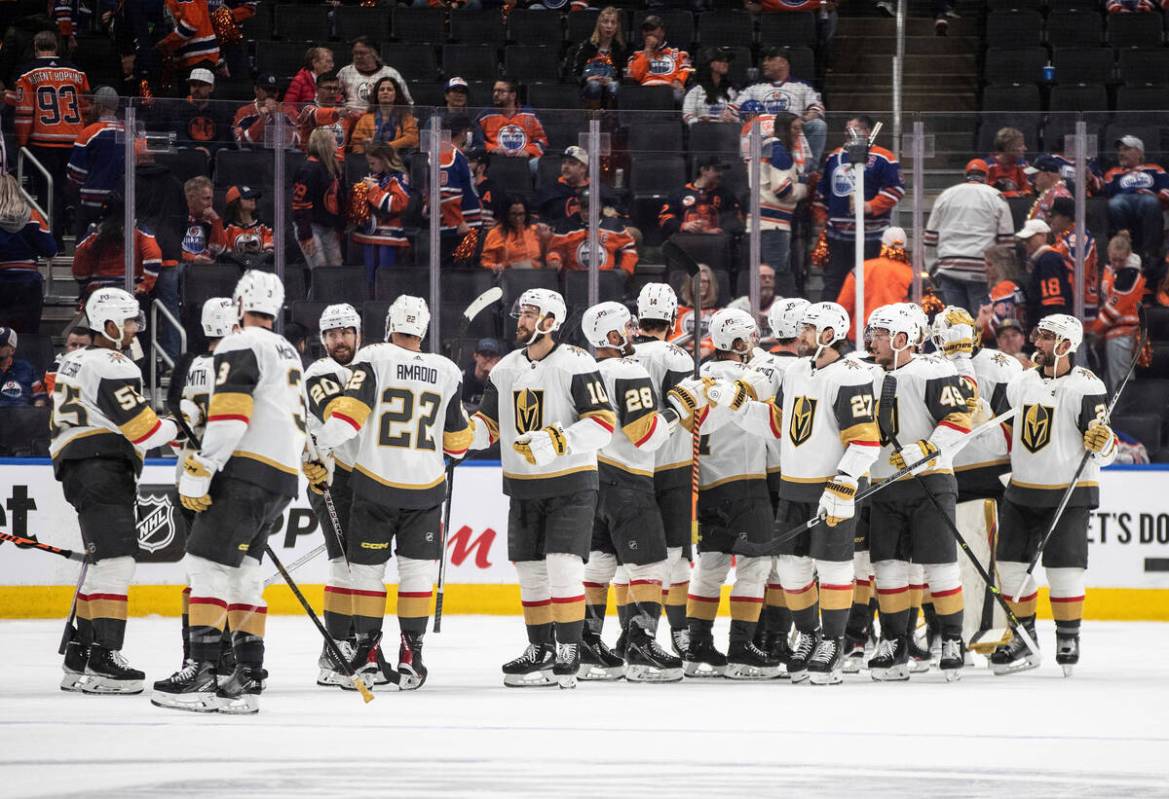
<point x="27" y="543"/>
<point x="330" y="508"/>
<point x="888" y="398"/>
<point x="70" y="631"/>
<point x="1067" y="494"/>
<point x="477" y="305"/>
<point x="296" y="564"/>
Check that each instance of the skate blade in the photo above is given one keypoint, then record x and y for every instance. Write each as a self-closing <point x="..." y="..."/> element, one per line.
<point x="72" y="681"/>
<point x="1068" y="668"/>
<point x="743" y="671"/>
<point x="203" y="702"/>
<point x="538" y="679"/>
<point x="328" y="678"/>
<point x="851" y="666"/>
<point x="95" y="684"/>
<point x="592" y="673"/>
<point x="799" y="676"/>
<point x="919" y="667"/>
<point x="702" y="671"/>
<point x="652" y="674"/>
<point x="242" y="705"/>
<point x="566" y="681"/>
<point x="1026" y="664"/>
<point x="410" y="679"/>
<point x="835" y="677"/>
<point x="895" y="674"/>
<point x="952" y="675"/>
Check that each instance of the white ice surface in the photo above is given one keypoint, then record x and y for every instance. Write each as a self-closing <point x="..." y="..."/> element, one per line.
<point x="1102" y="733"/>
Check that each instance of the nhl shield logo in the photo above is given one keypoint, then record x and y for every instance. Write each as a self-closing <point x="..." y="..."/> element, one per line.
<point x="1036" y="431"/>
<point x="529" y="410"/>
<point x="156" y="521"/>
<point x="803" y="416"/>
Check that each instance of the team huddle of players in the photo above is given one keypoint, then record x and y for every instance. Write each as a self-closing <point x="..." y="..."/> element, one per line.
<point x="597" y="454"/>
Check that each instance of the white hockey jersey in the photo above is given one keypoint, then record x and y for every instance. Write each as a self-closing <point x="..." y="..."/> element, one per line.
<point x="325" y="380"/>
<point x="565" y="388"/>
<point x="732" y="459"/>
<point x="773" y="367"/>
<point x="99" y="410"/>
<point x="993" y="371"/>
<point x="1047" y="437"/>
<point x="790" y="96"/>
<point x="641" y="428"/>
<point x="402" y="411"/>
<point x="256" y="418"/>
<point x="194" y="401"/>
<point x="668" y="365"/>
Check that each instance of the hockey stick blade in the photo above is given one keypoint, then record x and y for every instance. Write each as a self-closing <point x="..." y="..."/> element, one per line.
<point x="672" y="252"/>
<point x="492" y="294"/>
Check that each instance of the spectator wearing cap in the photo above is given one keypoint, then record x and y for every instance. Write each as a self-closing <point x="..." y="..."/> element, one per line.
<point x="1047" y="172"/>
<point x="78" y="338"/>
<point x="253" y="122"/>
<point x="781" y="189"/>
<point x="513" y="242"/>
<point x="245" y="234"/>
<point x="702" y="206"/>
<point x="598" y="60"/>
<point x="455" y="94"/>
<point x="200" y="122"/>
<point x="97" y="164"/>
<point x="966" y="219"/>
<point x="1062" y="221"/>
<point x="303" y="89"/>
<point x="388" y="121"/>
<point x="1007" y="163"/>
<point x="508" y="129"/>
<point x="778" y="92"/>
<point x="888" y="277"/>
<point x="712" y="98"/>
<point x="658" y="64"/>
<point x="1012" y="341"/>
<point x="24" y="238"/>
<point x="100" y="262"/>
<point x="1122" y="288"/>
<point x="20" y="385"/>
<point x="1138" y="191"/>
<point x="1005" y="277"/>
<point x="488" y="353"/>
<point x="358" y="78"/>
<point x="193" y="40"/>
<point x="326" y="112"/>
<point x="561" y="199"/>
<point x="1049" y="288"/>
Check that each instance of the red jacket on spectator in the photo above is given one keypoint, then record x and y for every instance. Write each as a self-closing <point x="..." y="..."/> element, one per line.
<point x="303" y="88"/>
<point x="97" y="263"/>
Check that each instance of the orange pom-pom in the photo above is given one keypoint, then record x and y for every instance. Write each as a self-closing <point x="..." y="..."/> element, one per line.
<point x="820" y="251"/>
<point x="226" y="28"/>
<point x="359" y="204"/>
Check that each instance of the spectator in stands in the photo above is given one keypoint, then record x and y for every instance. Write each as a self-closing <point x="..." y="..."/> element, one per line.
<point x="1138" y="191"/>
<point x="712" y="98"/>
<point x="461" y="223"/>
<point x="316" y="201"/>
<point x="358" y="79"/>
<point x="825" y="11"/>
<point x="20" y="385"/>
<point x="78" y="338"/>
<point x="488" y="352"/>
<point x="1011" y="340"/>
<point x="658" y="64"/>
<point x="193" y="41"/>
<point x="250" y="127"/>
<point x="1047" y="172"/>
<point x="388" y="121"/>
<point x="1007" y="164"/>
<point x="779" y="92"/>
<point x="1062" y="221"/>
<point x="326" y="112"/>
<point x="888" y="277"/>
<point x="1049" y="288"/>
<point x="966" y="219"/>
<point x="161" y="206"/>
<point x="835" y="198"/>
<point x="1119" y="322"/>
<point x="303" y="89"/>
<point x="100" y="259"/>
<point x="513" y="242"/>
<point x="567" y="242"/>
<point x="199" y="121"/>
<point x="562" y="198"/>
<point x="97" y="164"/>
<point x="491" y="197"/>
<point x="707" y="301"/>
<point x="455" y="94"/>
<point x="598" y="60"/>
<point x="296" y="335"/>
<point x="1005" y="277"/>
<point x="205" y="238"/>
<point x="508" y="129"/>
<point x="386" y="192"/>
<point x="24" y="238"/>
<point x="245" y="234"/>
<point x="766" y="296"/>
<point x="1130" y="6"/>
<point x="51" y="100"/>
<point x="781" y="189"/>
<point x="703" y="206"/>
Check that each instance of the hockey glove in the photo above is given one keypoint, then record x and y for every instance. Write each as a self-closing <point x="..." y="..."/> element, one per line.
<point x="319" y="471"/>
<point x="688" y="397"/>
<point x="732" y="396"/>
<point x="958" y="340"/>
<point x="541" y="447"/>
<point x="914" y="453"/>
<point x="837" y="501"/>
<point x="195" y="484"/>
<point x="1099" y="438"/>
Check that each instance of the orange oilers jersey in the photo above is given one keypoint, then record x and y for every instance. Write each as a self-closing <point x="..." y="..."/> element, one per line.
<point x="569" y="246"/>
<point x="256" y="237"/>
<point x="387" y="201"/>
<point x="668" y="65"/>
<point x="194" y="36"/>
<point x="1121" y="291"/>
<point x="1066" y="245"/>
<point x="520" y="132"/>
<point x="50" y="103"/>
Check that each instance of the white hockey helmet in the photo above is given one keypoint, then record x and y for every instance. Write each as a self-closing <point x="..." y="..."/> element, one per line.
<point x="113" y="305"/>
<point x="547" y="302"/>
<point x="657" y="301"/>
<point x="219" y="317"/>
<point x="408" y="315"/>
<point x="603" y="318"/>
<point x="918" y="315"/>
<point x="1064" y="328"/>
<point x="947" y="318"/>
<point x="896" y="318"/>
<point x="341" y="315"/>
<point x="259" y="292"/>
<point x="784" y="317"/>
<point x="729" y="325"/>
<point x="823" y="316"/>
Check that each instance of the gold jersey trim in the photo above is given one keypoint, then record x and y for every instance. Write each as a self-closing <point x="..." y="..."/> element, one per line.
<point x="542" y="475"/>
<point x="1054" y="486"/>
<point x="350" y="408"/>
<point x="735" y="479"/>
<point x="230" y="403"/>
<point x="983" y="464"/>
<point x="140" y="426"/>
<point x="623" y="467"/>
<point x="255" y="456"/>
<point x="403" y="486"/>
<point x="665" y="467"/>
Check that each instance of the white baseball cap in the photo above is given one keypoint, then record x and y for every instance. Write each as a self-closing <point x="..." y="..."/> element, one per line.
<point x="1032" y="227"/>
<point x="202" y="75"/>
<point x="1131" y="141"/>
<point x="893" y="235"/>
<point x="578" y="154"/>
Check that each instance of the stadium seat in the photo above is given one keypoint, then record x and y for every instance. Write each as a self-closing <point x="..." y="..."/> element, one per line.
<point x="990" y="124"/>
<point x="740" y="73"/>
<point x="515" y="282"/>
<point x="787" y="29"/>
<point x="679" y="27"/>
<point x="409" y="24"/>
<point x="611" y="285"/>
<point x="512" y="174"/>
<point x="24" y="432"/>
<point x="349" y="22"/>
<point x="712" y="250"/>
<point x="414" y="61"/>
<point x="239" y="90"/>
<point x="655" y="138"/>
<point x="1145" y="428"/>
<point x="1015" y="65"/>
<point x="37" y="349"/>
<point x="470" y="61"/>
<point x="390" y="283"/>
<point x="339" y="284"/>
<point x="1143" y="396"/>
<point x="1074" y="28"/>
<point x="461" y="286"/>
<point x="564" y="130"/>
<point x="427" y="94"/>
<point x="302" y="23"/>
<point x="1141" y="105"/>
<point x="200" y="283"/>
<point x="185" y="163"/>
<point x="1015" y="5"/>
<point x="532" y="64"/>
<point x="307" y="315"/>
<point x="634" y="103"/>
<point x="715" y="137"/>
<point x="1083" y="65"/>
<point x="579" y="27"/>
<point x="1132" y="30"/>
<point x="726" y="29"/>
<point x="477" y="27"/>
<point x="803" y="62"/>
<point x="657" y="175"/>
<point x="1159" y="367"/>
<point x="1067" y="104"/>
<point x="259" y="26"/>
<point x="373" y="320"/>
<point x="1013" y="29"/>
<point x="252" y="167"/>
<point x="1157" y="320"/>
<point x="1014" y="97"/>
<point x="295" y="273"/>
<point x="485" y="324"/>
<point x="553" y="96"/>
<point x="1142" y="66"/>
<point x="535" y="26"/>
<point x="283" y="59"/>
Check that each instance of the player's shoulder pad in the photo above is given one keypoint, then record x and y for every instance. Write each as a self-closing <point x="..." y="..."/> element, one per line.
<point x="109" y="364"/>
<point x="445" y="364"/>
<point x="574" y="359"/>
<point x="850" y="371"/>
<point x="1087" y="380"/>
<point x="1004" y="364"/>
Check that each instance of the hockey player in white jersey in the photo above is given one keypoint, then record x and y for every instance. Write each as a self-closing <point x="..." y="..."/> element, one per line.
<point x="324" y="380"/>
<point x="239" y="481"/>
<point x="1062" y="413"/>
<point x="732" y="506"/>
<point x="669" y="365"/>
<point x="628" y="526"/>
<point x="402" y="409"/>
<point x="101" y="428"/>
<point x="547" y="406"/>
<point x="824" y="420"/>
<point x="922" y="411"/>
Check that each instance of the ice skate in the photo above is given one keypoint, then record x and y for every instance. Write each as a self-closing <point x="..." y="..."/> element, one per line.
<point x="826" y="665"/>
<point x="190" y="688"/>
<point x="703" y="660"/>
<point x="226" y="664"/>
<point x="240" y="695"/>
<point x="410" y="665"/>
<point x="621" y="643"/>
<point x="919" y="656"/>
<point x="597" y="661"/>
<point x="567" y="665"/>
<point x="680" y="641"/>
<point x="107" y="672"/>
<point x="1067" y="652"/>
<point x="951" y="658"/>
<point x="73" y="667"/>
<point x="368" y="664"/>
<point x="854" y="655"/>
<point x="890" y="663"/>
<point x="329" y="675"/>
<point x="531" y="669"/>
<point x="745" y="661"/>
<point x="1014" y="656"/>
<point x="797" y="666"/>
<point x="645" y="661"/>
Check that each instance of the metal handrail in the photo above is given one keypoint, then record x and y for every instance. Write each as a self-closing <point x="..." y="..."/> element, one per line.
<point x="20" y="156"/>
<point x="155" y="349"/>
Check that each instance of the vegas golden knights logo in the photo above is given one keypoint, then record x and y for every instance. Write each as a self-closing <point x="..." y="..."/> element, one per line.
<point x="803" y="415"/>
<point x="888" y="423"/>
<point x="1037" y="421"/>
<point x="529" y="410"/>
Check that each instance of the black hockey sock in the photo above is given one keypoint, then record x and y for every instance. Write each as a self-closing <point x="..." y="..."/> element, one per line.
<point x="676" y="616"/>
<point x="742" y="631"/>
<point x="950" y="624"/>
<point x="647" y="615"/>
<point x="894" y="624"/>
<point x="930" y="613"/>
<point x="700" y="629"/>
<point x="834" y="622"/>
<point x="206" y="642"/>
<point x="911" y="624"/>
<point x="569" y="632"/>
<point x="621" y="593"/>
<point x="778" y="620"/>
<point x="249" y="649"/>
<point x="540" y="634"/>
<point x="186" y="624"/>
